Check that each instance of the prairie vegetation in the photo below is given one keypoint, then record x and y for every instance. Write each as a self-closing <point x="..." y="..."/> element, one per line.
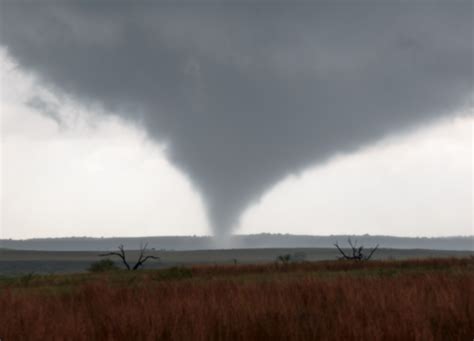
<point x="18" y="262"/>
<point x="417" y="299"/>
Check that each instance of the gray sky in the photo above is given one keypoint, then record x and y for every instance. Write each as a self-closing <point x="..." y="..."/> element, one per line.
<point x="313" y="118"/>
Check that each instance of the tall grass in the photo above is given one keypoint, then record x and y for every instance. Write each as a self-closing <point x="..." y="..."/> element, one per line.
<point x="412" y="305"/>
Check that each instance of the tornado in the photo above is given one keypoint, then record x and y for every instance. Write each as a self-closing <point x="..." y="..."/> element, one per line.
<point x="244" y="94"/>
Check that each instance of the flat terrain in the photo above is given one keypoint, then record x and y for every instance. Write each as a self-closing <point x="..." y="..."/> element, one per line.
<point x="430" y="299"/>
<point x="15" y="262"/>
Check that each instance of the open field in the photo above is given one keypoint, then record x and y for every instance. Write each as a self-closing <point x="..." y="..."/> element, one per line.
<point x="431" y="299"/>
<point x="16" y="262"/>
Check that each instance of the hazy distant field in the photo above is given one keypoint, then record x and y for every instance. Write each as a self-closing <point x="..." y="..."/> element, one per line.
<point x="42" y="262"/>
<point x="429" y="299"/>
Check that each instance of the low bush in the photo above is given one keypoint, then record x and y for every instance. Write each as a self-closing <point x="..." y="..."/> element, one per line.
<point x="103" y="265"/>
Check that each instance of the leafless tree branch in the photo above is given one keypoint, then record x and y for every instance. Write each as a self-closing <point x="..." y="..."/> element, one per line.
<point x="372" y="252"/>
<point x="120" y="254"/>
<point x="357" y="252"/>
<point x="141" y="258"/>
<point x="342" y="252"/>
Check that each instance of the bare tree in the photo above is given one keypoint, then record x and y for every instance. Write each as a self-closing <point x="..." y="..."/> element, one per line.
<point x="284" y="259"/>
<point x="357" y="252"/>
<point x="120" y="254"/>
<point x="142" y="258"/>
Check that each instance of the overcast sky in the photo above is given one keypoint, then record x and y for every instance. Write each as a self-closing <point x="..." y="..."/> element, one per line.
<point x="145" y="120"/>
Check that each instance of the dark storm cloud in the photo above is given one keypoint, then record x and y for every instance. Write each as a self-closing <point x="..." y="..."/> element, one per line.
<point x="245" y="94"/>
<point x="47" y="109"/>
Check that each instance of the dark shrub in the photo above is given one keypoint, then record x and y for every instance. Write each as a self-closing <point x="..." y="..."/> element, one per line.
<point x="284" y="259"/>
<point x="103" y="265"/>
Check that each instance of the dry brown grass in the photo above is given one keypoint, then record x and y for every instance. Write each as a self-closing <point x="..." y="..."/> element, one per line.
<point x="410" y="300"/>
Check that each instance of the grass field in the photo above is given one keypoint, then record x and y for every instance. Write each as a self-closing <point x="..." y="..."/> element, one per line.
<point x="430" y="299"/>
